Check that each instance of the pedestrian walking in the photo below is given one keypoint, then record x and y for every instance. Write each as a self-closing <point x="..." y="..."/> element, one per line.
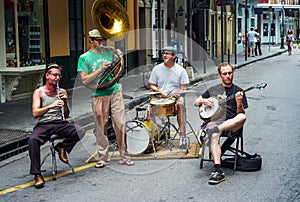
<point x="289" y="41"/>
<point x="251" y="36"/>
<point x="257" y="43"/>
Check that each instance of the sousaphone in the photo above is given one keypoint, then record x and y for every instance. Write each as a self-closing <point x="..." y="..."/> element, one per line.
<point x="112" y="21"/>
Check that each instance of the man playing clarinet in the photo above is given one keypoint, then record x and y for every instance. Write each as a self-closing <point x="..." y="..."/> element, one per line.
<point x="50" y="106"/>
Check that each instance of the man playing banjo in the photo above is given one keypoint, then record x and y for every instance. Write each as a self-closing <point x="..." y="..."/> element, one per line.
<point x="168" y="79"/>
<point x="230" y="120"/>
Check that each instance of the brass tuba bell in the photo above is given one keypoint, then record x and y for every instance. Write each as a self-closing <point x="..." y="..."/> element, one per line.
<point x="110" y="18"/>
<point x="112" y="21"/>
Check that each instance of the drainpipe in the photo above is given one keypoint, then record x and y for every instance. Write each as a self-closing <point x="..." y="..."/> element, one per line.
<point x="46" y="32"/>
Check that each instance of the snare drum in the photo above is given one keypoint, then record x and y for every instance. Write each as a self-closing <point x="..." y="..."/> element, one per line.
<point x="163" y="107"/>
<point x="140" y="136"/>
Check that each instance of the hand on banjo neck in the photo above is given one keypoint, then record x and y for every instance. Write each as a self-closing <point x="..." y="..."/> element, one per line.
<point x="214" y="106"/>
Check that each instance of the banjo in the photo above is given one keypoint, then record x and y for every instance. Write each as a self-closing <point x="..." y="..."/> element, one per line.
<point x="207" y="113"/>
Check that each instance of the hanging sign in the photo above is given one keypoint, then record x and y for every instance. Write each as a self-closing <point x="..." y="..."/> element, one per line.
<point x="200" y="4"/>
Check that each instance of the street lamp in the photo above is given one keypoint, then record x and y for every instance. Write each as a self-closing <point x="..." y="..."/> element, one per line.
<point x="180" y="11"/>
<point x="282" y="25"/>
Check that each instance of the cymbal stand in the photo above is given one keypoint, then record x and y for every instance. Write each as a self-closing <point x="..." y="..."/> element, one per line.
<point x="186" y="140"/>
<point x="166" y="131"/>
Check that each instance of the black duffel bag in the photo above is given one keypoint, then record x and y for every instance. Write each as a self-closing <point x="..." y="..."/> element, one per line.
<point x="245" y="162"/>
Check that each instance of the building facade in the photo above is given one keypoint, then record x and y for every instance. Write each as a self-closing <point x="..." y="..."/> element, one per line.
<point x="37" y="32"/>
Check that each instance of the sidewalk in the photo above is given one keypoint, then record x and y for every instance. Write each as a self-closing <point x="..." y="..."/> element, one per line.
<point x="16" y="121"/>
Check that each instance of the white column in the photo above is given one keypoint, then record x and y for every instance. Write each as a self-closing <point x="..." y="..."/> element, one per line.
<point x="2" y="87"/>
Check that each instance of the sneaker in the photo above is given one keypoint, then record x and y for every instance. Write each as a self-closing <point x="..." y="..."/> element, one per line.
<point x="216" y="177"/>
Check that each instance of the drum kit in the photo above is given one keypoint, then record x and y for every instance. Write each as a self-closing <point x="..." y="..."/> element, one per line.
<point x="143" y="136"/>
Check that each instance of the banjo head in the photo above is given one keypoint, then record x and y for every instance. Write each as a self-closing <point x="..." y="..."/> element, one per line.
<point x="207" y="113"/>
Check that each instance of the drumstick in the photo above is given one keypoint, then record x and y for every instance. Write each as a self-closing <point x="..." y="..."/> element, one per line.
<point x="170" y="92"/>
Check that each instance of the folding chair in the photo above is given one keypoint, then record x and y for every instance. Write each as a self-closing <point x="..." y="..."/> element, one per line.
<point x="52" y="139"/>
<point x="226" y="147"/>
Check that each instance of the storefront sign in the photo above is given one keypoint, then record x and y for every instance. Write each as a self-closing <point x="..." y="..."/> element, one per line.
<point x="225" y="2"/>
<point x="262" y="1"/>
<point x="258" y="10"/>
<point x="200" y="4"/>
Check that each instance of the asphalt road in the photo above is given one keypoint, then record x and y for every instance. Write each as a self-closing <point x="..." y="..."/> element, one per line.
<point x="272" y="130"/>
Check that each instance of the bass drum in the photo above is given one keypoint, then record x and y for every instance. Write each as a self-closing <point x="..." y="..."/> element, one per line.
<point x="140" y="136"/>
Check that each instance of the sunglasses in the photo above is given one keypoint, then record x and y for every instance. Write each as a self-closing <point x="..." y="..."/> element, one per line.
<point x="97" y="39"/>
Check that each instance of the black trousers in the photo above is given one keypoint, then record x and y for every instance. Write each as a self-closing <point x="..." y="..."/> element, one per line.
<point x="257" y="47"/>
<point x="230" y="140"/>
<point x="41" y="134"/>
<point x="226" y="145"/>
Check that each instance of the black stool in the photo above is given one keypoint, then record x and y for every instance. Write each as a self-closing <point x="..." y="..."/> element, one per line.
<point x="226" y="147"/>
<point x="52" y="139"/>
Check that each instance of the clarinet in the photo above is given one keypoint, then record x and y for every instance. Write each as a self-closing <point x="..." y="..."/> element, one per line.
<point x="62" y="107"/>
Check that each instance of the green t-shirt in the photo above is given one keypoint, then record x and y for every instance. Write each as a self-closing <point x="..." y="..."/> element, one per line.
<point x="90" y="62"/>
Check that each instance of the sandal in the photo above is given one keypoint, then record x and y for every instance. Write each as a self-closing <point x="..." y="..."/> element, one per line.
<point x="128" y="162"/>
<point x="101" y="164"/>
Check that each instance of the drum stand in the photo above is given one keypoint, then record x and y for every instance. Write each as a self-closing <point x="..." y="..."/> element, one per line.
<point x="166" y="131"/>
<point x="186" y="140"/>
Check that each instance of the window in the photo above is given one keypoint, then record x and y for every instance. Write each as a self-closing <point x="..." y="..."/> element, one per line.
<point x="252" y="22"/>
<point x="239" y="25"/>
<point x="265" y="29"/>
<point x="24" y="39"/>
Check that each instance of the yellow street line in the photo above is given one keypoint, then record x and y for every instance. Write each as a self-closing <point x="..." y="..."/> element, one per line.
<point x="58" y="175"/>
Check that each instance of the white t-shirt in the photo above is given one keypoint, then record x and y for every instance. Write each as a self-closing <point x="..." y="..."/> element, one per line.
<point x="169" y="79"/>
<point x="251" y="35"/>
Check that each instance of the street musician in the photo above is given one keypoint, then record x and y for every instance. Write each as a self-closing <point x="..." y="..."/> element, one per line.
<point x="169" y="79"/>
<point x="231" y="119"/>
<point x="108" y="101"/>
<point x="50" y="105"/>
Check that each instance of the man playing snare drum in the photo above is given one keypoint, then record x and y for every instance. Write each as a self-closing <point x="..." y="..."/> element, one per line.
<point x="169" y="78"/>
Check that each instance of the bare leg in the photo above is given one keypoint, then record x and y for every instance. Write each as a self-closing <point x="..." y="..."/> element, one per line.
<point x="215" y="148"/>
<point x="180" y="116"/>
<point x="233" y="124"/>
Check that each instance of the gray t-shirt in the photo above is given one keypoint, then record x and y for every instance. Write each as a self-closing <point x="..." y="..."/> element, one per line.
<point x="54" y="114"/>
<point x="230" y="105"/>
<point x="169" y="79"/>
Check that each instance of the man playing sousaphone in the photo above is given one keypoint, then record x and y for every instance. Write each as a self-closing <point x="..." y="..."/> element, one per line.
<point x="93" y="66"/>
<point x="168" y="79"/>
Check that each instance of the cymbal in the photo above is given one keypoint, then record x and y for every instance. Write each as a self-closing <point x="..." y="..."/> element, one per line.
<point x="152" y="93"/>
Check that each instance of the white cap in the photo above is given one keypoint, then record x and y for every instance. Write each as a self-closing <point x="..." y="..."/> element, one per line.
<point x="95" y="34"/>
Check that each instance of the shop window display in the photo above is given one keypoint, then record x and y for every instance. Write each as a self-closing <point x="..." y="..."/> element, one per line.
<point x="27" y="32"/>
